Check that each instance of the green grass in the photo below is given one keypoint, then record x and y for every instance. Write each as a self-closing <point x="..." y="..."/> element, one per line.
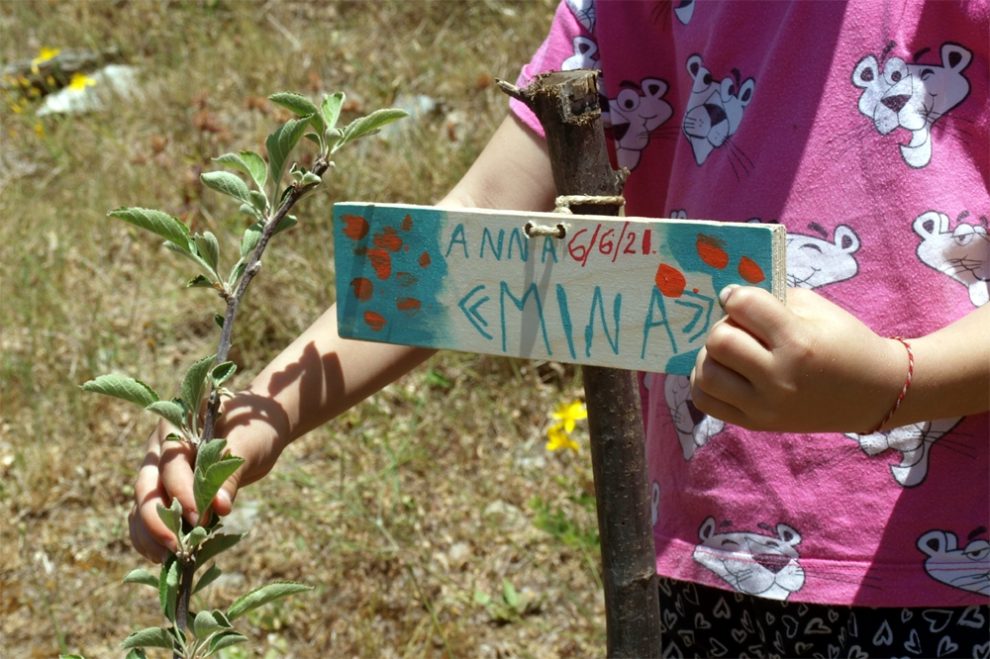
<point x="400" y="511"/>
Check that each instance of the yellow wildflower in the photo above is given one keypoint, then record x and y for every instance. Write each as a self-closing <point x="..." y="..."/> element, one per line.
<point x="39" y="129"/>
<point x="567" y="416"/>
<point x="80" y="81"/>
<point x="43" y="56"/>
<point x="559" y="438"/>
<point x="569" y="413"/>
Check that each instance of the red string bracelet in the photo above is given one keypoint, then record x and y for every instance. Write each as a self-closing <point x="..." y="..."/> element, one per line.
<point x="904" y="389"/>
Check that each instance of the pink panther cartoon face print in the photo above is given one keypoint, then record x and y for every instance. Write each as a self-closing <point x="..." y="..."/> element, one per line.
<point x="962" y="253"/>
<point x="967" y="568"/>
<point x="912" y="96"/>
<point x="635" y="112"/>
<point x="715" y="108"/>
<point x="754" y="563"/>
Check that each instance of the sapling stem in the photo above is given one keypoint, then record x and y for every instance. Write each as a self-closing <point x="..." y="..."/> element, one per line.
<point x="200" y="542"/>
<point x="233" y="303"/>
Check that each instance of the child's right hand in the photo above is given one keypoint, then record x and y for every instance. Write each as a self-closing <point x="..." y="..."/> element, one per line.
<point x="250" y="424"/>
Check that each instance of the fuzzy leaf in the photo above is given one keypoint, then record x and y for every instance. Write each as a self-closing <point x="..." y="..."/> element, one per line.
<point x="171" y="516"/>
<point x="168" y="586"/>
<point x="227" y="183"/>
<point x="218" y="543"/>
<point x="330" y="108"/>
<point x="297" y="103"/>
<point x="225" y="640"/>
<point x="151" y="637"/>
<point x="280" y="143"/>
<point x="222" y="372"/>
<point x="122" y="386"/>
<point x="370" y="123"/>
<point x="209" y="247"/>
<point x="248" y="162"/>
<point x="195" y="537"/>
<point x="300" y="106"/>
<point x="263" y="595"/>
<point x="206" y="483"/>
<point x="212" y="574"/>
<point x="204" y="624"/>
<point x="209" y="453"/>
<point x="155" y="221"/>
<point x="141" y="576"/>
<point x="236" y="273"/>
<point x="287" y="222"/>
<point x="194" y="382"/>
<point x="172" y="411"/>
<point x="250" y="239"/>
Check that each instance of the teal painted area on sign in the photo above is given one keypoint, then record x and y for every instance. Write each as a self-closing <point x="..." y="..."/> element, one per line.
<point x="390" y="272"/>
<point x="634" y="293"/>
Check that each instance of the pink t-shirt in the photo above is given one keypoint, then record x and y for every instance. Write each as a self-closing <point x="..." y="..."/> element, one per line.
<point x="864" y="128"/>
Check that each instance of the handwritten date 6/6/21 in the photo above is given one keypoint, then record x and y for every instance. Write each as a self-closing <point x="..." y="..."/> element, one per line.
<point x="609" y="241"/>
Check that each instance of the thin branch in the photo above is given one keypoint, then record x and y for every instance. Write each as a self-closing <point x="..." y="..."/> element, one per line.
<point x="295" y="193"/>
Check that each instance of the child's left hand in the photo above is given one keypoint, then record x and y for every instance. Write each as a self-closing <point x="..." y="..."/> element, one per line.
<point x="809" y="366"/>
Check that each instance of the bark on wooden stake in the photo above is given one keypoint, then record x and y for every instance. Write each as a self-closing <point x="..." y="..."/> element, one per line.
<point x="566" y="104"/>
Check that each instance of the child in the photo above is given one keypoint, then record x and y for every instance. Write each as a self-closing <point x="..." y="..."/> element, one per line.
<point x="782" y="524"/>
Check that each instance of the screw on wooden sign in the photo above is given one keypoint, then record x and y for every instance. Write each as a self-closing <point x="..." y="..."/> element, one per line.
<point x="631" y="293"/>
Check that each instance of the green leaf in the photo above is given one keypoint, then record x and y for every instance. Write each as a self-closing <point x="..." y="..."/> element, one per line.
<point x="194" y="382"/>
<point x="297" y="103"/>
<point x="330" y="108"/>
<point x="122" y="386"/>
<point x="309" y="178"/>
<point x="141" y="576"/>
<point x="212" y="574"/>
<point x="219" y="543"/>
<point x="209" y="453"/>
<point x="151" y="637"/>
<point x="250" y="238"/>
<point x="236" y="273"/>
<point x="509" y="594"/>
<point x="222" y="372"/>
<point x="248" y="162"/>
<point x="136" y="653"/>
<point x="209" y="247"/>
<point x="260" y="201"/>
<point x="287" y="222"/>
<point x="206" y="483"/>
<point x="225" y="640"/>
<point x="218" y="319"/>
<point x="229" y="184"/>
<point x="280" y="143"/>
<point x="300" y="106"/>
<point x="168" y="586"/>
<point x="171" y="516"/>
<point x="172" y="411"/>
<point x="370" y="123"/>
<point x="205" y="624"/>
<point x="195" y="537"/>
<point x="264" y="595"/>
<point x="155" y="221"/>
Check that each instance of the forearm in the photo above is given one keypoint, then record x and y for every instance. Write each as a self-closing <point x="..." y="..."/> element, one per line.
<point x="951" y="371"/>
<point x="320" y="375"/>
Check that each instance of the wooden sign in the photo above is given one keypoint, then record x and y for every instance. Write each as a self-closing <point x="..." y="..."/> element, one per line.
<point x="625" y="292"/>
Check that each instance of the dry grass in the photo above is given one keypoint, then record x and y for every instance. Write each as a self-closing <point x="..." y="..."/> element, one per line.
<point x="400" y="512"/>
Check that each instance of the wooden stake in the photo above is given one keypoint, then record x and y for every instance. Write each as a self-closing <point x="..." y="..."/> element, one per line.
<point x="566" y="103"/>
